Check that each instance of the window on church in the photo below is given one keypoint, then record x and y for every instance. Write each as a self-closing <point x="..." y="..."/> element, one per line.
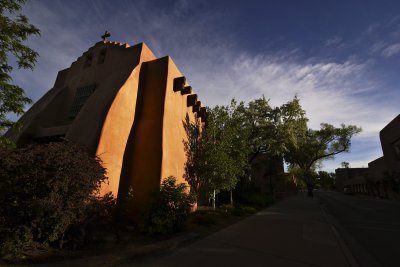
<point x="81" y="96"/>
<point x="88" y="60"/>
<point x="102" y="56"/>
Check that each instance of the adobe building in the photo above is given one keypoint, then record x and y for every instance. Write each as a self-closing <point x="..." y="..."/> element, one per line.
<point x="267" y="175"/>
<point x="126" y="106"/>
<point x="373" y="180"/>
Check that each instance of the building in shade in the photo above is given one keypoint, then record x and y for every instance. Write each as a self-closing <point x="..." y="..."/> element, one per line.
<point x="381" y="178"/>
<point x="125" y="105"/>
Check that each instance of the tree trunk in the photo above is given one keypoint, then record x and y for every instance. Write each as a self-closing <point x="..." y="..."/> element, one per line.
<point x="214" y="199"/>
<point x="231" y="198"/>
<point x="271" y="185"/>
<point x="310" y="189"/>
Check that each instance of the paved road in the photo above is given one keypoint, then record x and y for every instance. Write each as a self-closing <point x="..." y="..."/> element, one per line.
<point x="293" y="232"/>
<point x="369" y="226"/>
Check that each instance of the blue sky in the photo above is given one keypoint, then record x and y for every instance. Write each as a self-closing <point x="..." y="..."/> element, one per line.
<point x="340" y="57"/>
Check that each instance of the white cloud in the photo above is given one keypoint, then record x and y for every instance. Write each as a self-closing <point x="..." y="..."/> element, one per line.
<point x="391" y="50"/>
<point x="333" y="41"/>
<point x="385" y="37"/>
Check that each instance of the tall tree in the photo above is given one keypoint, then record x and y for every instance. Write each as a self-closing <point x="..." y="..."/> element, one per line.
<point x="14" y="30"/>
<point x="274" y="130"/>
<point x="313" y="146"/>
<point x="217" y="157"/>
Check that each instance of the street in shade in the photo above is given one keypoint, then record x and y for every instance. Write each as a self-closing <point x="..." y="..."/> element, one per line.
<point x="369" y="226"/>
<point x="331" y="229"/>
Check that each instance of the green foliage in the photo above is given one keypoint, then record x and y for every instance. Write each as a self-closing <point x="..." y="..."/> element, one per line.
<point x="226" y="147"/>
<point x="257" y="200"/>
<point x="219" y="157"/>
<point x="44" y="190"/>
<point x="170" y="208"/>
<point x="345" y="164"/>
<point x="225" y="207"/>
<point x="316" y="145"/>
<point x="313" y="146"/>
<point x="243" y="211"/>
<point x="235" y="135"/>
<point x="15" y="29"/>
<point x="204" y="218"/>
<point x="274" y="130"/>
<point x="325" y="180"/>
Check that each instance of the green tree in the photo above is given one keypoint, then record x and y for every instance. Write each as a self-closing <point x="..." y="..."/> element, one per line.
<point x="225" y="147"/>
<point x="14" y="30"/>
<point x="274" y="130"/>
<point x="345" y="164"/>
<point x="325" y="180"/>
<point x="313" y="146"/>
<point x="217" y="157"/>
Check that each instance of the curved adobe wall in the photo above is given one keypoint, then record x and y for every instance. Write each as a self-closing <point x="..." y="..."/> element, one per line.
<point x="117" y="126"/>
<point x="142" y="159"/>
<point x="155" y="148"/>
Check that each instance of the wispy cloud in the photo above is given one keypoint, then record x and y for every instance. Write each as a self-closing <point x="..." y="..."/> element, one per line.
<point x="333" y="41"/>
<point x="391" y="50"/>
<point x="385" y="37"/>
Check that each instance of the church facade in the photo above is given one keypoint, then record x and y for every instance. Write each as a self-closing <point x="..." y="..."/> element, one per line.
<point x="126" y="106"/>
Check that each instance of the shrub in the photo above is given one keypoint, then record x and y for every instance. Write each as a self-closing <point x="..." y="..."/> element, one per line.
<point x="243" y="211"/>
<point x="169" y="209"/>
<point x="204" y="218"/>
<point x="249" y="210"/>
<point x="239" y="211"/>
<point x="225" y="207"/>
<point x="257" y="200"/>
<point x="44" y="190"/>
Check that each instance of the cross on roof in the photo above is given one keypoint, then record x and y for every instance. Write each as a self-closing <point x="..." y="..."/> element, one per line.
<point x="105" y="36"/>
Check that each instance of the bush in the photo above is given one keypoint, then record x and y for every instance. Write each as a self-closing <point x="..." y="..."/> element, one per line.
<point x="204" y="218"/>
<point x="250" y="210"/>
<point x="44" y="190"/>
<point x="170" y="208"/>
<point x="258" y="200"/>
<point x="225" y="207"/>
<point x="243" y="211"/>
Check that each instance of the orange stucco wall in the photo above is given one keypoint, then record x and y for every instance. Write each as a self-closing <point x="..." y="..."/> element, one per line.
<point x="117" y="126"/>
<point x="175" y="112"/>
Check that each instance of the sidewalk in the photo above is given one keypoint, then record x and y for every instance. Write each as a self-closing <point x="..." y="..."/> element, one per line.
<point x="294" y="232"/>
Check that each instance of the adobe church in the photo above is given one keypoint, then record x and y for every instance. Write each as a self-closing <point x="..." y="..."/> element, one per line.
<point x="126" y="106"/>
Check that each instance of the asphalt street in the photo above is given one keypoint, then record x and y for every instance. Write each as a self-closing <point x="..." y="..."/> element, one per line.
<point x="369" y="226"/>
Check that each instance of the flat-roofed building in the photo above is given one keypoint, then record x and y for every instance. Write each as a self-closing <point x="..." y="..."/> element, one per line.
<point x="379" y="178"/>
